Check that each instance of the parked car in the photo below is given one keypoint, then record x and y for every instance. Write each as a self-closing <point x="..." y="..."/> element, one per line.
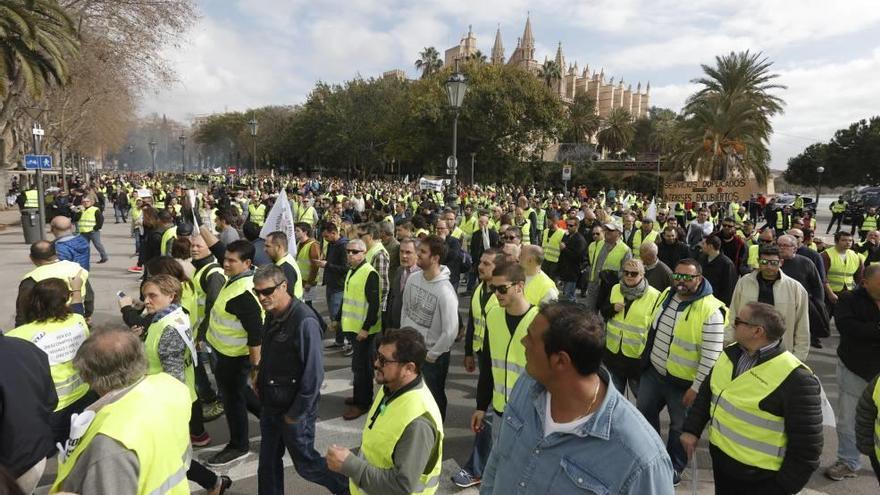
<point x="865" y="197"/>
<point x="784" y="200"/>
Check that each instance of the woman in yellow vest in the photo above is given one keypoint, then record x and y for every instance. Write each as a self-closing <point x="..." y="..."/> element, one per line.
<point x="628" y="314"/>
<point x="55" y="324"/>
<point x="170" y="349"/>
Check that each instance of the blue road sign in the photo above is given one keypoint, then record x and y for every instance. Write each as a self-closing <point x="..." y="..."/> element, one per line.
<point x="34" y="162"/>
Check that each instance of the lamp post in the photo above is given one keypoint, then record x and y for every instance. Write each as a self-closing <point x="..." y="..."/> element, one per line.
<point x="456" y="87"/>
<point x="253" y="126"/>
<point x="182" y="140"/>
<point x="130" y="156"/>
<point x="38" y="133"/>
<point x="473" y="158"/>
<point x="819" y="171"/>
<point x="152" y="145"/>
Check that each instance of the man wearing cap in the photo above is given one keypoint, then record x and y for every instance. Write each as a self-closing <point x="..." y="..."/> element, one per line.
<point x="605" y="256"/>
<point x="646" y="233"/>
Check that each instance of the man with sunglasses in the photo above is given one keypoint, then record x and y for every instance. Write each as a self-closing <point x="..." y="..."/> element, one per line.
<point x="606" y="256"/>
<point x="732" y="245"/>
<point x="763" y="408"/>
<point x="572" y="251"/>
<point x="770" y="285"/>
<point x="289" y="382"/>
<point x="359" y="315"/>
<point x="686" y="337"/>
<point x="750" y="262"/>
<point x="402" y="443"/>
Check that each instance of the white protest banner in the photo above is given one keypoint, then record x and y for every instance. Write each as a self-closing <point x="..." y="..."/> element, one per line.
<point x="280" y="219"/>
<point x="652" y="211"/>
<point x="710" y="191"/>
<point x="431" y="184"/>
<point x="191" y="195"/>
<point x="144" y="193"/>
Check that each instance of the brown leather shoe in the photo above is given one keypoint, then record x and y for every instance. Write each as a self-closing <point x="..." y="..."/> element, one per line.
<point x="353" y="412"/>
<point x="349" y="401"/>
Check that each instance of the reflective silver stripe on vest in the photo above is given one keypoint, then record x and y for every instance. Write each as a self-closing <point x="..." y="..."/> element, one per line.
<point x="172" y="481"/>
<point x="501" y="364"/>
<point x="353" y="316"/>
<point x="432" y="482"/>
<point x="626" y="326"/>
<point x="683" y="361"/>
<point x="762" y="447"/>
<point x="500" y="388"/>
<point x="355" y="303"/>
<point x="228" y="339"/>
<point x="68" y="386"/>
<point x="233" y="324"/>
<point x="685" y="345"/>
<point x="767" y="424"/>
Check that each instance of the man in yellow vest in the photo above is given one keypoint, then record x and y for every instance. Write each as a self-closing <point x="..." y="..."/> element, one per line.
<point x="551" y="241"/>
<point x="90" y="220"/>
<point x="235" y="330"/>
<point x="843" y="268"/>
<point x="539" y="288"/>
<point x="47" y="265"/>
<point x="402" y="444"/>
<point x="208" y="280"/>
<point x="687" y="335"/>
<point x="276" y="248"/>
<point x="837" y="208"/>
<point x="359" y="317"/>
<point x="646" y="233"/>
<point x="798" y="205"/>
<point x="115" y="449"/>
<point x="377" y="256"/>
<point x="604" y="256"/>
<point x="257" y="211"/>
<point x="869" y="222"/>
<point x="308" y="253"/>
<point x="763" y="409"/>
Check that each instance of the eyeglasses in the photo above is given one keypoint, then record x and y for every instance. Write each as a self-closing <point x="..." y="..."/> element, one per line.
<point x="739" y="321"/>
<point x="596" y="234"/>
<point x="353" y="251"/>
<point x="728" y="226"/>
<point x="572" y="225"/>
<point x="267" y="291"/>
<point x="785" y="245"/>
<point x="382" y="360"/>
<point x="687" y="277"/>
<point x="510" y="238"/>
<point x="769" y="262"/>
<point x="501" y="289"/>
<point x="628" y="273"/>
<point x="765" y="241"/>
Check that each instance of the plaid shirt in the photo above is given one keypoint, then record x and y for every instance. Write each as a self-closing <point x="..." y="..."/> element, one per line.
<point x="380" y="263"/>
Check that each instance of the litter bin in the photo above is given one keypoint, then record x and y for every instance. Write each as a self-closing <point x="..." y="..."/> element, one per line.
<point x="30" y="225"/>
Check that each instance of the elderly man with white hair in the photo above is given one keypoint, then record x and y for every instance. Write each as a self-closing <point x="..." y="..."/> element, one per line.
<point x="657" y="273"/>
<point x="539" y="288"/>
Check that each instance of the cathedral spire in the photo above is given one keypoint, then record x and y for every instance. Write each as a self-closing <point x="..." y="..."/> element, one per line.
<point x="498" y="48"/>
<point x="559" y="58"/>
<point x="528" y="40"/>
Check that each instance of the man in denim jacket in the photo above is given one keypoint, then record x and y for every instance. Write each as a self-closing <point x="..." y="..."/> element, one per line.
<point x="565" y="430"/>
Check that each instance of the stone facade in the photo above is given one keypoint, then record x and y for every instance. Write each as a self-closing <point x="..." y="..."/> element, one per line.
<point x="608" y="95"/>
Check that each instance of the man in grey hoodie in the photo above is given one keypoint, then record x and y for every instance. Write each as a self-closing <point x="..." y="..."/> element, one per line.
<point x="430" y="305"/>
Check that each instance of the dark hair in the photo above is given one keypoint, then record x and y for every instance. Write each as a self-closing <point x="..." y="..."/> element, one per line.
<point x="692" y="262"/>
<point x="497" y="255"/>
<point x="228" y="215"/>
<point x="409" y="346"/>
<point x="165" y="216"/>
<point x="8" y="483"/>
<point x="436" y="246"/>
<point x="513" y="272"/>
<point x="270" y="272"/>
<point x="370" y="228"/>
<point x="329" y="226"/>
<point x="243" y="249"/>
<point x="304" y="226"/>
<point x="769" y="250"/>
<point x="729" y="219"/>
<point x="251" y="231"/>
<point x="181" y="248"/>
<point x="278" y="237"/>
<point x="841" y="233"/>
<point x="43" y="250"/>
<point x="714" y="241"/>
<point x="150" y="217"/>
<point x="577" y="332"/>
<point x="165" y="265"/>
<point x="48" y="301"/>
<point x="769" y="318"/>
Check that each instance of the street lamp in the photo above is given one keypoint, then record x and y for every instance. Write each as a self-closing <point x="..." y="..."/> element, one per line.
<point x="38" y="134"/>
<point x="456" y="87"/>
<point x="254" y="126"/>
<point x="152" y="145"/>
<point x="182" y="140"/>
<point x="130" y="156"/>
<point x="819" y="171"/>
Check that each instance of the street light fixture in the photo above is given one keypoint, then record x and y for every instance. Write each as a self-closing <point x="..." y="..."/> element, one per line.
<point x="253" y="126"/>
<point x="130" y="156"/>
<point x="819" y="171"/>
<point x="182" y="140"/>
<point x="152" y="145"/>
<point x="456" y="87"/>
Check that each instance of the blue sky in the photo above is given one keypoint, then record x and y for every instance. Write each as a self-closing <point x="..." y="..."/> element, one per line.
<point x="251" y="53"/>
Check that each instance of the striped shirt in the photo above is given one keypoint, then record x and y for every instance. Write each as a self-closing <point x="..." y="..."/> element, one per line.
<point x="713" y="340"/>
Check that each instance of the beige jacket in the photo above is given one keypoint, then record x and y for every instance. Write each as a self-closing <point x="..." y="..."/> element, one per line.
<point x="789" y="298"/>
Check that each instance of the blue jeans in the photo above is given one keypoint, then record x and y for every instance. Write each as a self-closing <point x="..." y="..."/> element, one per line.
<point x="568" y="290"/>
<point x="299" y="440"/>
<point x="434" y="375"/>
<point x="482" y="447"/>
<point x="621" y="381"/>
<point x="334" y="302"/>
<point x="95" y="237"/>
<point x="655" y="393"/>
<point x="850" y="387"/>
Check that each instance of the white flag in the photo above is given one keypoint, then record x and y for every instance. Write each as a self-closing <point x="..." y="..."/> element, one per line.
<point x="652" y="211"/>
<point x="191" y="194"/>
<point x="280" y="219"/>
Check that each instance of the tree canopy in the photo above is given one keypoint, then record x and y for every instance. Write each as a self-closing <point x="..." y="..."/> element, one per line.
<point x="852" y="157"/>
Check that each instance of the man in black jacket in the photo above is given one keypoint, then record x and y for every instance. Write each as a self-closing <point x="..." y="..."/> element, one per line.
<point x="857" y="316"/>
<point x="763" y="408"/>
<point x="572" y="251"/>
<point x="335" y="266"/>
<point x="289" y="381"/>
<point x="483" y="238"/>
<point x="671" y="250"/>
<point x="718" y="269"/>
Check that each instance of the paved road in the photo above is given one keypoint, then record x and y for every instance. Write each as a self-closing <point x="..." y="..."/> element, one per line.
<point x="110" y="277"/>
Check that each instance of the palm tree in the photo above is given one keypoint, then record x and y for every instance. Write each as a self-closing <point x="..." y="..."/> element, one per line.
<point x="617" y="131"/>
<point x="429" y="61"/>
<point x="38" y="40"/>
<point x="550" y="71"/>
<point x="478" y="57"/>
<point x="583" y="119"/>
<point x="726" y="124"/>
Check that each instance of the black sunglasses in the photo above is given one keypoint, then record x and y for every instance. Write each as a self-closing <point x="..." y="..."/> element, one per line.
<point x="353" y="251"/>
<point x="631" y="274"/>
<point x="268" y="291"/>
<point x="510" y="237"/>
<point x="769" y="262"/>
<point x="501" y="289"/>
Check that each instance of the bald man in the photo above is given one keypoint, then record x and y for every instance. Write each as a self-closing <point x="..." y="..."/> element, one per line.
<point x="68" y="245"/>
<point x="539" y="288"/>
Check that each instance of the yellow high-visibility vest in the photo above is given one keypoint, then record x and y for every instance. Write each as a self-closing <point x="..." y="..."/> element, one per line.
<point x="87" y="220"/>
<point x="550" y="244"/>
<point x="354" y="300"/>
<point x="536" y="288"/>
<point x="226" y="334"/>
<point x="479" y="312"/>
<point x="180" y="323"/>
<point x="687" y="335"/>
<point x="841" y="274"/>
<point x="297" y="290"/>
<point x="507" y="352"/>
<point x="627" y="330"/>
